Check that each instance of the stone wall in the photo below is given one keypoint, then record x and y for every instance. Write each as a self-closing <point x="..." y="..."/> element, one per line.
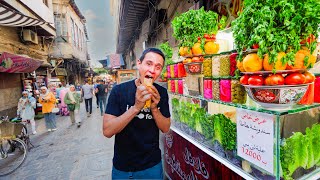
<point x="10" y="92"/>
<point x="10" y="83"/>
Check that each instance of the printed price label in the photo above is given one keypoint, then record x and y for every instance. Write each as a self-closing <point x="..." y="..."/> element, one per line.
<point x="255" y="138"/>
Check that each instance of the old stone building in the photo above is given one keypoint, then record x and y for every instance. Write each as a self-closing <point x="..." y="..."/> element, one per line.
<point x="27" y="32"/>
<point x="70" y="47"/>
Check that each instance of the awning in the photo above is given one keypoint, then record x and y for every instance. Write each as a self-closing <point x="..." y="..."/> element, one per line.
<point x="61" y="72"/>
<point x="113" y="61"/>
<point x="10" y="17"/>
<point x="11" y="63"/>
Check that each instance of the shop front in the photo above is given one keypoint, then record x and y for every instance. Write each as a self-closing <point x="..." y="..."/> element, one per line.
<point x="13" y="81"/>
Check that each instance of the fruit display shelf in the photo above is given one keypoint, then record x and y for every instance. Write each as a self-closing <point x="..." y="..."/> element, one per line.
<point x="200" y="125"/>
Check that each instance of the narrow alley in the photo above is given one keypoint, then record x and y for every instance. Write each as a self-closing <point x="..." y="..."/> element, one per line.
<point x="69" y="152"/>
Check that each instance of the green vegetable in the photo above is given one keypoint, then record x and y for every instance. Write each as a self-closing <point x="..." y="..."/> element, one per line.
<point x="225" y="131"/>
<point x="293" y="154"/>
<point x="188" y="26"/>
<point x="168" y="52"/>
<point x="313" y="143"/>
<point x="218" y="128"/>
<point x="175" y="109"/>
<point x="277" y="26"/>
<point x="223" y="22"/>
<point x="207" y="126"/>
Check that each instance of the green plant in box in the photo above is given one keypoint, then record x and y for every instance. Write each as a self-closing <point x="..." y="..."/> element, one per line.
<point x="168" y="52"/>
<point x="225" y="131"/>
<point x="277" y="26"/>
<point x="188" y="26"/>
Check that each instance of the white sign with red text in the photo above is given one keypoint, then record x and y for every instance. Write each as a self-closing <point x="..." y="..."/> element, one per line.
<point x="255" y="138"/>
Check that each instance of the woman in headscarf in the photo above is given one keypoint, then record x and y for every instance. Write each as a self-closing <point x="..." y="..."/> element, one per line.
<point x="48" y="100"/>
<point x="73" y="98"/>
<point x="26" y="106"/>
<point x="63" y="106"/>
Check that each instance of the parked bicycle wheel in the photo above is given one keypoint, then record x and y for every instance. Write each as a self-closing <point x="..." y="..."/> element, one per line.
<point x="12" y="154"/>
<point x="24" y="136"/>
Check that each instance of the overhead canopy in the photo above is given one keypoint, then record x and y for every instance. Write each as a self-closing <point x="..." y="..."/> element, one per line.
<point x="11" y="63"/>
<point x="113" y="61"/>
<point x="132" y="15"/>
<point x="10" y="17"/>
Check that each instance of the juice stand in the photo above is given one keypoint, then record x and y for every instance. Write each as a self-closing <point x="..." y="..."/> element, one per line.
<point x="229" y="121"/>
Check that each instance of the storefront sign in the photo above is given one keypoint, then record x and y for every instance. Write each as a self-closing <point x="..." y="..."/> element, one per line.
<point x="255" y="138"/>
<point x="11" y="63"/>
<point x="183" y="160"/>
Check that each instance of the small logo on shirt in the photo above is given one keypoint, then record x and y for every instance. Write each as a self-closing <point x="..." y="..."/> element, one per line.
<point x="144" y="113"/>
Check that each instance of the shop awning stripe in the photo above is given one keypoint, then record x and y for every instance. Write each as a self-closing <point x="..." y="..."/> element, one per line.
<point x="10" y="17"/>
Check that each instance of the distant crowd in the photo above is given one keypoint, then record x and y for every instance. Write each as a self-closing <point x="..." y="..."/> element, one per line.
<point x="64" y="101"/>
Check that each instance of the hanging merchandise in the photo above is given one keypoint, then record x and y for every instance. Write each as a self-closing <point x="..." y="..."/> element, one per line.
<point x="225" y="89"/>
<point x="168" y="71"/>
<point x="169" y="85"/>
<point x="238" y="92"/>
<point x="207" y="67"/>
<point x="216" y="66"/>
<point x="216" y="89"/>
<point x="207" y="88"/>
<point x="180" y="85"/>
<point x="224" y="65"/>
<point x="317" y="89"/>
<point x="175" y="69"/>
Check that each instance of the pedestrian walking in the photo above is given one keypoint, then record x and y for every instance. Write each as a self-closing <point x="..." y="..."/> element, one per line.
<point x="78" y="88"/>
<point x="88" y="92"/>
<point x="102" y="91"/>
<point x="72" y="99"/>
<point x="48" y="100"/>
<point x="63" y="106"/>
<point x="136" y="128"/>
<point x="26" y="106"/>
<point x="96" y="94"/>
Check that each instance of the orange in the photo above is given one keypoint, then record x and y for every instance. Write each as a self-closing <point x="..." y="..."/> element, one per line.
<point x="187" y="51"/>
<point x="196" y="49"/>
<point x="240" y="66"/>
<point x="278" y="65"/>
<point x="299" y="60"/>
<point x="211" y="48"/>
<point x="181" y="51"/>
<point x="252" y="63"/>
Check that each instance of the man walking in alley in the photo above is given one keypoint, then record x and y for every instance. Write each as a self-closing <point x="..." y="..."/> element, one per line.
<point x="136" y="127"/>
<point x="102" y="92"/>
<point x="88" y="92"/>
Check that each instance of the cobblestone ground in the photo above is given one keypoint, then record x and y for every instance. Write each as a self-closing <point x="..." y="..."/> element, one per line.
<point x="69" y="152"/>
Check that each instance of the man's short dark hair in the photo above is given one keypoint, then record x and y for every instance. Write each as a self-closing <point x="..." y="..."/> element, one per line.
<point x="154" y="50"/>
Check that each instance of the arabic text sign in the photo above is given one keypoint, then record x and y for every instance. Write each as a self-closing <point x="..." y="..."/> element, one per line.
<point x="255" y="138"/>
<point x="11" y="63"/>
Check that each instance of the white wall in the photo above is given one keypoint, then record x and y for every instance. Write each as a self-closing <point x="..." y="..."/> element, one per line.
<point x="45" y="12"/>
<point x="38" y="8"/>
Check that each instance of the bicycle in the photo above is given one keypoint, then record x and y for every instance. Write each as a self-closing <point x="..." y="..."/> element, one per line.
<point x="24" y="133"/>
<point x="13" y="150"/>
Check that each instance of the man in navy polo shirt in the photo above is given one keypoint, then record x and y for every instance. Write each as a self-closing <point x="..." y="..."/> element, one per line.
<point x="136" y="151"/>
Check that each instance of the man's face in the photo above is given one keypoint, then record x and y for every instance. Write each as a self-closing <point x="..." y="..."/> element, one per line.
<point x="151" y="66"/>
<point x="25" y="94"/>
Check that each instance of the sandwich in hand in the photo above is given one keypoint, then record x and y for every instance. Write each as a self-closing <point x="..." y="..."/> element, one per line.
<point x="148" y="81"/>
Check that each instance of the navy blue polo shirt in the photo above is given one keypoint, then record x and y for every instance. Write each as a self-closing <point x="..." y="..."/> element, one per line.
<point x="136" y="147"/>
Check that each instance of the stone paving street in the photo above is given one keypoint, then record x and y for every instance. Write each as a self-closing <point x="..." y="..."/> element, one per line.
<point x="69" y="152"/>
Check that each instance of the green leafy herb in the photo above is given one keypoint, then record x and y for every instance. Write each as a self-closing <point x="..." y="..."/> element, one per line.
<point x="277" y="26"/>
<point x="225" y="131"/>
<point x="188" y="26"/>
<point x="168" y="52"/>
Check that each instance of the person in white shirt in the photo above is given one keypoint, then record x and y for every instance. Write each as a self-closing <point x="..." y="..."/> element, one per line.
<point x="88" y="92"/>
